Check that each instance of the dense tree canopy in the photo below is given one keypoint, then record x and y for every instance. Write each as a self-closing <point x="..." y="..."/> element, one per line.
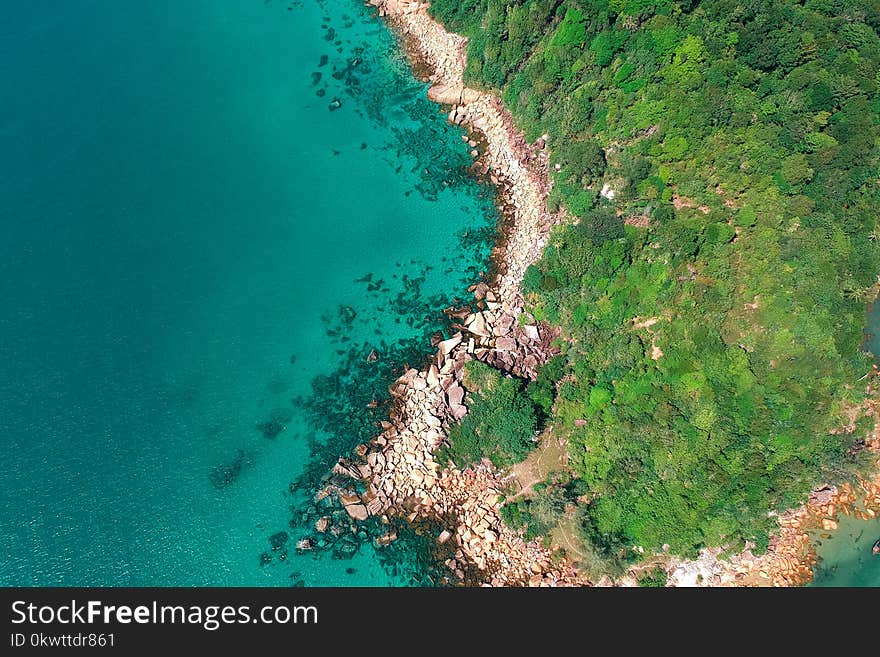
<point x="713" y="352"/>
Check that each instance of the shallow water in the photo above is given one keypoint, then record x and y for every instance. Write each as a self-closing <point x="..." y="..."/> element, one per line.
<point x="213" y="213"/>
<point x="845" y="555"/>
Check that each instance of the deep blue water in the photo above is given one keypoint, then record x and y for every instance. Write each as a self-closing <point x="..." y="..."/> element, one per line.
<point x="211" y="213"/>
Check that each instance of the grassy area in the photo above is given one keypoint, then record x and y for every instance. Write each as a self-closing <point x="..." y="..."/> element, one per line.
<point x="549" y="456"/>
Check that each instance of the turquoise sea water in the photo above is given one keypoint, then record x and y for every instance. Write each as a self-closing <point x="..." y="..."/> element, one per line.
<point x="845" y="554"/>
<point x="212" y="213"/>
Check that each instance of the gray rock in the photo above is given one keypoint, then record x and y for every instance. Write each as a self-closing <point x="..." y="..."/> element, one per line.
<point x="505" y="344"/>
<point x="447" y="346"/>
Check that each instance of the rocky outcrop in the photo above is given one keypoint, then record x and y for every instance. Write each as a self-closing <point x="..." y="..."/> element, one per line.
<point x="403" y="478"/>
<point x="398" y="468"/>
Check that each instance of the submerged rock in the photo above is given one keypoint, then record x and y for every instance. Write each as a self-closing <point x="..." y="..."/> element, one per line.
<point x="270" y="429"/>
<point x="346" y="548"/>
<point x="275" y="424"/>
<point x="278" y="540"/>
<point x="225" y="474"/>
<point x="385" y="539"/>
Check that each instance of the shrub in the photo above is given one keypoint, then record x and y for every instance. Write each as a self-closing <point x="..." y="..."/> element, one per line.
<point x="654" y="578"/>
<point x="501" y="420"/>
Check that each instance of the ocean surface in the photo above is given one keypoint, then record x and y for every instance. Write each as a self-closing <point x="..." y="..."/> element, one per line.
<point x="226" y="227"/>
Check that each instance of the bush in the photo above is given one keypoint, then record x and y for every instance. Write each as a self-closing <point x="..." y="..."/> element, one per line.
<point x="600" y="225"/>
<point x="538" y="515"/>
<point x="654" y="578"/>
<point x="542" y="391"/>
<point x="500" y="424"/>
<point x="582" y="163"/>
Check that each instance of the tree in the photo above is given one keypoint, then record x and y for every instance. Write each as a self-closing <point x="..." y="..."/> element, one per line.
<point x="796" y="169"/>
<point x="581" y="163"/>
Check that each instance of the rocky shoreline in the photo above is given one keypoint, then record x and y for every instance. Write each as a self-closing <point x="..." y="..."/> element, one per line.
<point x="395" y="475"/>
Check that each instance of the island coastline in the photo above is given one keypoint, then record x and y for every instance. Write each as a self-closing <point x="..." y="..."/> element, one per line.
<point x="398" y="469"/>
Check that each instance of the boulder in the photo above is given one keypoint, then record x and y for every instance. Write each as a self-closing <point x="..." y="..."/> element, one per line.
<point x="823" y="495"/>
<point x="386" y="539"/>
<point x="454" y="395"/>
<point x="433" y="377"/>
<point x="376" y="459"/>
<point x="469" y="96"/>
<point x="506" y="323"/>
<point x="458" y="411"/>
<point x="829" y="524"/>
<point x="348" y="498"/>
<point x="445" y="93"/>
<point x="478" y="325"/>
<point x="530" y="331"/>
<point x="446" y="346"/>
<point x="357" y="511"/>
<point x="505" y="344"/>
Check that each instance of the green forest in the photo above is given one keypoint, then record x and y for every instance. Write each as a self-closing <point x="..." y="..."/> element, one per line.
<point x="717" y="161"/>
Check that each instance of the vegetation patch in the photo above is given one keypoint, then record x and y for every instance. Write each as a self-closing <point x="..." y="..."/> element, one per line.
<point x="501" y="423"/>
